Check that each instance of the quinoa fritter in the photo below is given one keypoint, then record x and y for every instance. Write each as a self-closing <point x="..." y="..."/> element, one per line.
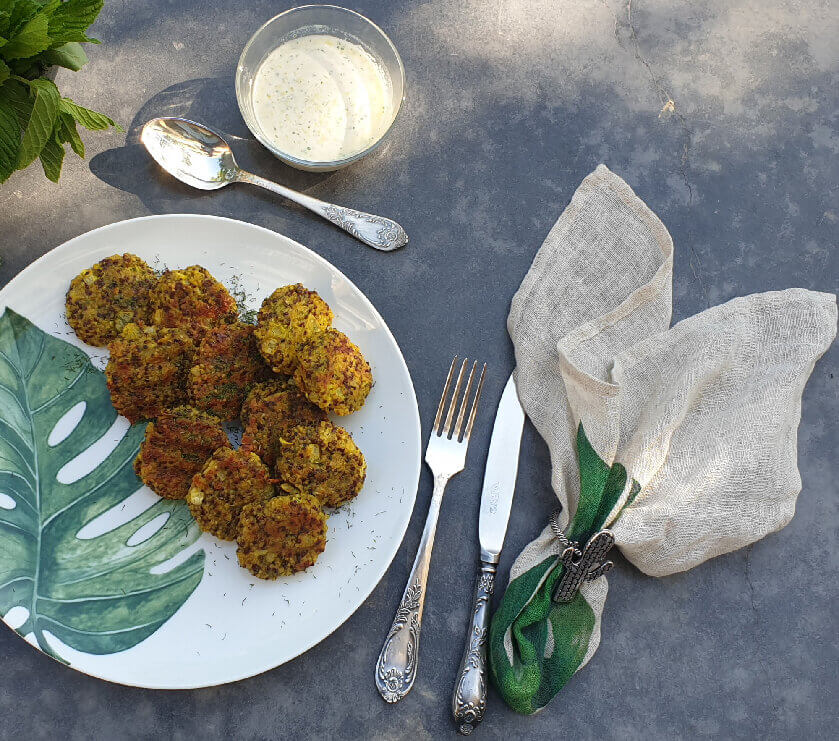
<point x="287" y="318"/>
<point x="112" y="293"/>
<point x="229" y="480"/>
<point x="333" y="373"/>
<point x="227" y="364"/>
<point x="193" y="300"/>
<point x="323" y="461"/>
<point x="261" y="390"/>
<point x="268" y="418"/>
<point x="147" y="370"/>
<point x="176" y="446"/>
<point x="281" y="537"/>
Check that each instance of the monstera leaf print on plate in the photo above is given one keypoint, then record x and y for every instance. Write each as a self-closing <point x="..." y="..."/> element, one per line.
<point x="102" y="592"/>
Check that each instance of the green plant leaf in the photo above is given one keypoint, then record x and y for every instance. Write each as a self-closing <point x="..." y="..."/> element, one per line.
<point x="31" y="39"/>
<point x="5" y="17"/>
<point x="70" y="55"/>
<point x="70" y="20"/>
<point x="97" y="594"/>
<point x="52" y="157"/>
<point x="4" y="72"/>
<point x="9" y="140"/>
<point x="67" y="132"/>
<point x="41" y="121"/>
<point x="17" y="95"/>
<point x="20" y="11"/>
<point x="89" y="119"/>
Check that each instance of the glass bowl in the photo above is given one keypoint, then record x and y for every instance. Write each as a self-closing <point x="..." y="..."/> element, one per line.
<point x="303" y="21"/>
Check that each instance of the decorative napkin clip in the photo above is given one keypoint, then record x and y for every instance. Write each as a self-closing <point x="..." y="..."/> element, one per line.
<point x="580" y="565"/>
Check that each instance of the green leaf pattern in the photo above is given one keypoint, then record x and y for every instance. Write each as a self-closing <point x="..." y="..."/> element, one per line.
<point x="535" y="644"/>
<point x="99" y="594"/>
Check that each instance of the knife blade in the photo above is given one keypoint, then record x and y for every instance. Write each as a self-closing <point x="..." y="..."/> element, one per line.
<point x="500" y="474"/>
<point x="469" y="697"/>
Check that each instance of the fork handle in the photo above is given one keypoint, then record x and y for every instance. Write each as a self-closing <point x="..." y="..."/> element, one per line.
<point x="396" y="667"/>
<point x="469" y="698"/>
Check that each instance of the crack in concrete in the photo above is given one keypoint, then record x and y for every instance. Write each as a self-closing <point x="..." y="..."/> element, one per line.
<point x="668" y="104"/>
<point x="668" y="109"/>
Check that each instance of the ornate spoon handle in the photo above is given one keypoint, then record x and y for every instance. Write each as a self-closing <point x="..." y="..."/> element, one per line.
<point x="375" y="231"/>
<point x="469" y="698"/>
<point x="396" y="667"/>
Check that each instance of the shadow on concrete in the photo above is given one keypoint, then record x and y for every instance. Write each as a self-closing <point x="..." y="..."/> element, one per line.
<point x="207" y="101"/>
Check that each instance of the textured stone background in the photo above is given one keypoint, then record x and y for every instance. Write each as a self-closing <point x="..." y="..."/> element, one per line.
<point x="722" y="115"/>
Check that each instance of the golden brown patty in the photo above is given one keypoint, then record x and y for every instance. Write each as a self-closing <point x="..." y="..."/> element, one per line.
<point x="193" y="300"/>
<point x="229" y="480"/>
<point x="227" y="364"/>
<point x="333" y="373"/>
<point x="269" y="418"/>
<point x="323" y="461"/>
<point x="104" y="298"/>
<point x="281" y="537"/>
<point x="261" y="390"/>
<point x="147" y="370"/>
<point x="177" y="445"/>
<point x="287" y="318"/>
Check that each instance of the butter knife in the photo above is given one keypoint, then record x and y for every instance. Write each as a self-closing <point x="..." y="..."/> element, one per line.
<point x="470" y="690"/>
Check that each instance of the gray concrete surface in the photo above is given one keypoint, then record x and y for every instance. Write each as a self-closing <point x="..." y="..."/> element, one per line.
<point x="723" y="117"/>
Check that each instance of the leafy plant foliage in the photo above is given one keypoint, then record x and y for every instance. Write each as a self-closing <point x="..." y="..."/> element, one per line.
<point x="107" y="591"/>
<point x="35" y="121"/>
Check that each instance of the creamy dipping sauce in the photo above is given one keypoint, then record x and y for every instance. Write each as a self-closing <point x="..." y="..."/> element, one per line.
<point x="321" y="98"/>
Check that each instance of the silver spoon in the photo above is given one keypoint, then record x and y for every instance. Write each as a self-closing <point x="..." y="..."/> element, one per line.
<point x="200" y="157"/>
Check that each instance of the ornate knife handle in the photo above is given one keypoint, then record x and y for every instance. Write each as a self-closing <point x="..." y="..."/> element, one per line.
<point x="470" y="690"/>
<point x="396" y="667"/>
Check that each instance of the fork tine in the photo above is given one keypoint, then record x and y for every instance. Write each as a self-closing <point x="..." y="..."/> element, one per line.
<point x="475" y="405"/>
<point x="440" y="406"/>
<point x="459" y="424"/>
<point x="453" y="404"/>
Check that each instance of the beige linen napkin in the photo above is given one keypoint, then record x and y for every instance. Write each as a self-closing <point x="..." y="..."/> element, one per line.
<point x="682" y="441"/>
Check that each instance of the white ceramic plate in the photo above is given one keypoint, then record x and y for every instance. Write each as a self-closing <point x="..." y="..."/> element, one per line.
<point x="95" y="569"/>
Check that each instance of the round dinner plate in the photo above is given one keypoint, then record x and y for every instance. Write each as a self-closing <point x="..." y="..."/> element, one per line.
<point x="100" y="573"/>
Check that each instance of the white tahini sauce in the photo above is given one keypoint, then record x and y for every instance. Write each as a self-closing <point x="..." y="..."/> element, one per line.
<point x="322" y="98"/>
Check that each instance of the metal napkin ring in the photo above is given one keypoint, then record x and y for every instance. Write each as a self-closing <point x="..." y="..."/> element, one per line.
<point x="580" y="565"/>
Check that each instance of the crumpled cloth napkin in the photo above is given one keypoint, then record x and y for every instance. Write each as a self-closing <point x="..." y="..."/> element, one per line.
<point x="682" y="440"/>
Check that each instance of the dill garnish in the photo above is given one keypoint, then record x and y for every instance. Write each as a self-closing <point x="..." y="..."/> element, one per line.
<point x="242" y="298"/>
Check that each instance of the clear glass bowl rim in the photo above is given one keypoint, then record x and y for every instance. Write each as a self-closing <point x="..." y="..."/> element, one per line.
<point x="320" y="164"/>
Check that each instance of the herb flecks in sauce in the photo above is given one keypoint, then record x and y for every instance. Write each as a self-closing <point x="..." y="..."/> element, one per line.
<point x="321" y="98"/>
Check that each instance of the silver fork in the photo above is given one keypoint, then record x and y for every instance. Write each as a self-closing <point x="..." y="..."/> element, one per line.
<point x="445" y="455"/>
